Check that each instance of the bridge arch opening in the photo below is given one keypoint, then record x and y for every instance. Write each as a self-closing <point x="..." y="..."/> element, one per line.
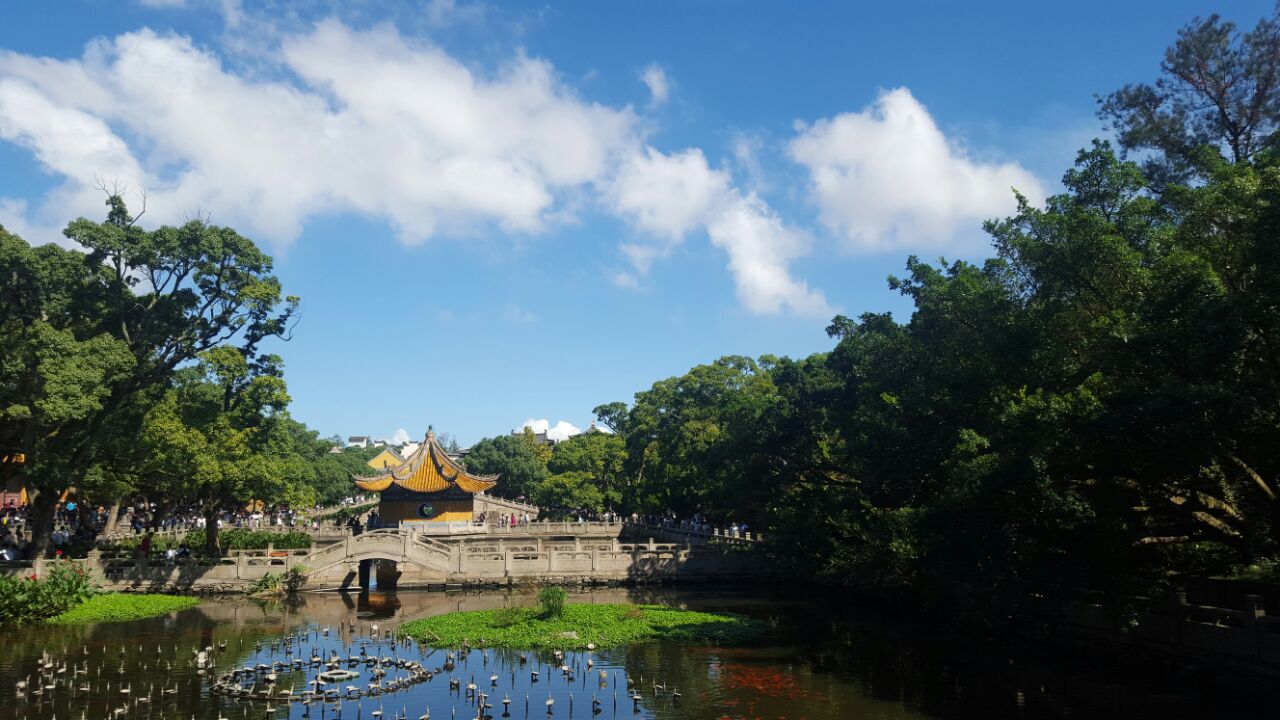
<point x="379" y="574"/>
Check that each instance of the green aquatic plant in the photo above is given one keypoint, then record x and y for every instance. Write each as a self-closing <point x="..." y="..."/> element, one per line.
<point x="115" y="607"/>
<point x="579" y="625"/>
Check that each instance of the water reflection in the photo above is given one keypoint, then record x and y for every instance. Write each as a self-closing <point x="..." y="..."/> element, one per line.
<point x="831" y="665"/>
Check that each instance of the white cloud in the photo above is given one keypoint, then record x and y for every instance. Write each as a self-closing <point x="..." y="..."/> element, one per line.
<point x="399" y="437"/>
<point x="517" y="315"/>
<point x="655" y="78"/>
<point x="621" y="278"/>
<point x="441" y="13"/>
<point x="562" y="430"/>
<point x="760" y="247"/>
<point x="746" y="149"/>
<point x="887" y="178"/>
<point x="232" y="14"/>
<point x="670" y="196"/>
<point x="667" y="195"/>
<point x="334" y="120"/>
<point x="379" y="126"/>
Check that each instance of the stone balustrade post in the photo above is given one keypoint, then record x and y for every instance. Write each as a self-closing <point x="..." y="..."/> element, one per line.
<point x="652" y="546"/>
<point x="1254" y="610"/>
<point x="595" y="558"/>
<point x="1177" y="613"/>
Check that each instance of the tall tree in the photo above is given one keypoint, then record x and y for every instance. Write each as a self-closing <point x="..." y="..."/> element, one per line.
<point x="597" y="461"/>
<point x="511" y="457"/>
<point x="117" y="321"/>
<point x="1219" y="89"/>
<point x="220" y="437"/>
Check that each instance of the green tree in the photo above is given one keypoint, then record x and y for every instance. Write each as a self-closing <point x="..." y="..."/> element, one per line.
<point x="597" y="459"/>
<point x="614" y="416"/>
<point x="91" y="338"/>
<point x="1218" y="89"/>
<point x="220" y="439"/>
<point x="571" y="490"/>
<point x="694" y="442"/>
<point x="511" y="458"/>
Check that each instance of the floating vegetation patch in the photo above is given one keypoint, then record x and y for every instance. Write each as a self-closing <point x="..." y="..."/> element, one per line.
<point x="116" y="607"/>
<point x="581" y="627"/>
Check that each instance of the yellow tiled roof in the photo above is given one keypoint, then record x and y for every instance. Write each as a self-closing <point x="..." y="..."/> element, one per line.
<point x="428" y="469"/>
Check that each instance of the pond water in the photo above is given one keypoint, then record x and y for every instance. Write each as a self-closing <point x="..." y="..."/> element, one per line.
<point x="830" y="664"/>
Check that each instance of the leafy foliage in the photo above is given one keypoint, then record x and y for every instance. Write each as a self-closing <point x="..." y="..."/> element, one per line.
<point x="249" y="539"/>
<point x="24" y="600"/>
<point x="1219" y="90"/>
<point x="288" y="582"/>
<point x="551" y="601"/>
<point x="89" y="340"/>
<point x="513" y="458"/>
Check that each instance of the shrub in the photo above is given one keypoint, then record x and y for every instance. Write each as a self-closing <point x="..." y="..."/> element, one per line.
<point x="269" y="583"/>
<point x="249" y="539"/>
<point x="551" y="600"/>
<point x="294" y="578"/>
<point x="30" y="600"/>
<point x="288" y="582"/>
<point x="506" y="617"/>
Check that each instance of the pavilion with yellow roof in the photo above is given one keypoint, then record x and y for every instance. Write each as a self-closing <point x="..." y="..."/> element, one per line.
<point x="427" y="486"/>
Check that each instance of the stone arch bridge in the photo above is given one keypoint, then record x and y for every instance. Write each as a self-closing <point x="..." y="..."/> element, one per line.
<point x="453" y="556"/>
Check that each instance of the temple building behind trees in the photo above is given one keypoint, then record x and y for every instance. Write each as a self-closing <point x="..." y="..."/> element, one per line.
<point x="429" y="486"/>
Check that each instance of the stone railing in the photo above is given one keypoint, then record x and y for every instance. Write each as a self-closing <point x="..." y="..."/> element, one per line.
<point x="326" y="531"/>
<point x="721" y="536"/>
<point x="511" y="504"/>
<point x="543" y="527"/>
<point x="1246" y="634"/>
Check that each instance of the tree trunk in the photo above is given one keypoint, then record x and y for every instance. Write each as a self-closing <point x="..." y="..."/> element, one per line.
<point x="42" y="510"/>
<point x="113" y="517"/>
<point x="211" y="531"/>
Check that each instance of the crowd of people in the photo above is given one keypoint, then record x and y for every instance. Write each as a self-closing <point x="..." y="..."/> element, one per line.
<point x="503" y="519"/>
<point x="77" y="527"/>
<point x="13" y="523"/>
<point x="697" y="523"/>
<point x="71" y="528"/>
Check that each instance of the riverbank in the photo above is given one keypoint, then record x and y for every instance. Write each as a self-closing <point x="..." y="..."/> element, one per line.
<point x="115" y="607"/>
<point x="579" y="626"/>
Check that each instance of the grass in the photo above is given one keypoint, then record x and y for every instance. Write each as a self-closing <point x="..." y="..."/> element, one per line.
<point x="114" y="607"/>
<point x="604" y="625"/>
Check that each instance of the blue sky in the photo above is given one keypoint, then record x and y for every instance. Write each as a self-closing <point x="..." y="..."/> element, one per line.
<point x="500" y="212"/>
